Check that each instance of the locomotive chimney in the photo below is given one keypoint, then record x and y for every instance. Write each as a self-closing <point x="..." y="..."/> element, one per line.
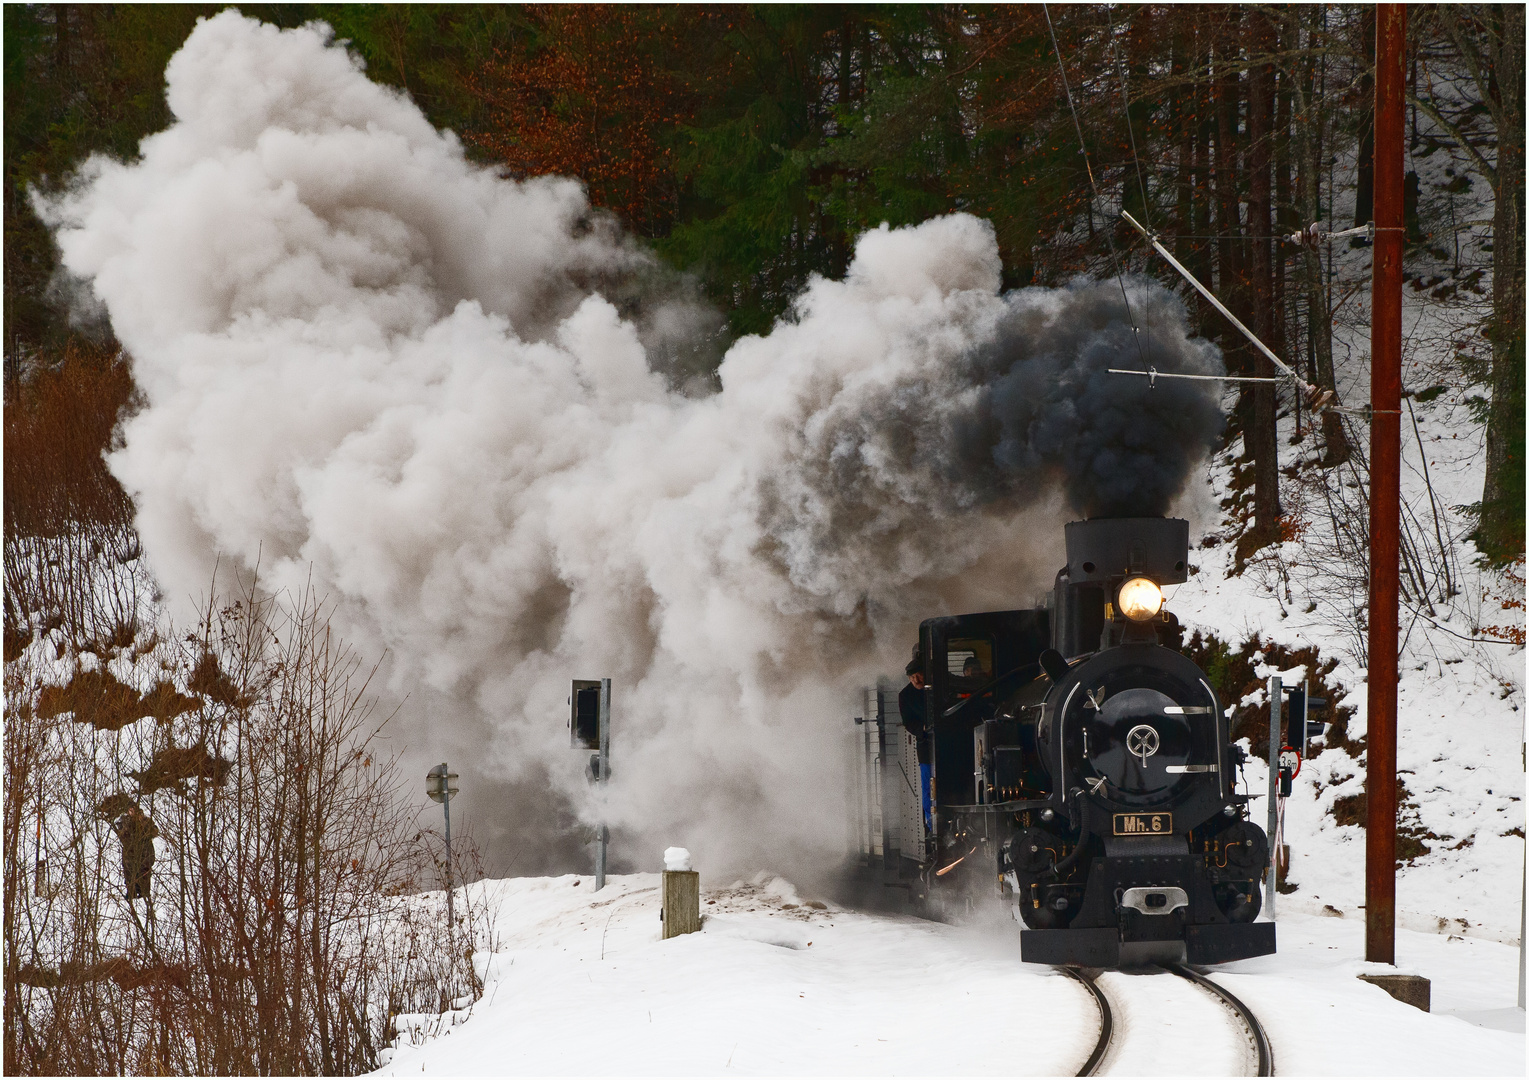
<point x="1101" y="554"/>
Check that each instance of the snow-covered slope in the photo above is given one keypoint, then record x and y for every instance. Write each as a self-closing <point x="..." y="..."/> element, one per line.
<point x="1460" y="710"/>
<point x="1461" y="697"/>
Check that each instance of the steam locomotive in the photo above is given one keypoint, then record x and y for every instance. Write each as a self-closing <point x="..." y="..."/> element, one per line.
<point x="1078" y="764"/>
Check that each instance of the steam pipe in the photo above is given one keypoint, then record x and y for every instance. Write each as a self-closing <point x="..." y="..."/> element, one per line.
<point x="1084" y="836"/>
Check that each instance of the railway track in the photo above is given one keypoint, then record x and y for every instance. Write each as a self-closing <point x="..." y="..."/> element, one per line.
<point x="1243" y="1016"/>
<point x="1106" y="1018"/>
<point x="1115" y="1035"/>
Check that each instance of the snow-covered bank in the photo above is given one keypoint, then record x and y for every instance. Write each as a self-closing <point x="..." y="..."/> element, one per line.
<point x="580" y="983"/>
<point x="1460" y="699"/>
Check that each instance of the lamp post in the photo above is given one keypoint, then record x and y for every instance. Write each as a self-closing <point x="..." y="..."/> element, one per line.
<point x="440" y="783"/>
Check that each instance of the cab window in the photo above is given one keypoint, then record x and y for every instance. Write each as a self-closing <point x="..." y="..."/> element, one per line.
<point x="969" y="662"/>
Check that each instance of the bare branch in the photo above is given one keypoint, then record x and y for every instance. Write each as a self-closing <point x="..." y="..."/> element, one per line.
<point x="1427" y="108"/>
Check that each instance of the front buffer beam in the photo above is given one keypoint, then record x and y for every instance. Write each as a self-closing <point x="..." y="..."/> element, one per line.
<point x="1214" y="943"/>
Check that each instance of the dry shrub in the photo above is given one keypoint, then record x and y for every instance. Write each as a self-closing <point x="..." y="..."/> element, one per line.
<point x="99" y="698"/>
<point x="284" y="931"/>
<point x="286" y="927"/>
<point x="173" y="766"/>
<point x="1233" y="674"/>
<point x="1411" y="833"/>
<point x="96" y="698"/>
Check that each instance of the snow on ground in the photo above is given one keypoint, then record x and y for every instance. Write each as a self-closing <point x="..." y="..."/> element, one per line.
<point x="579" y="982"/>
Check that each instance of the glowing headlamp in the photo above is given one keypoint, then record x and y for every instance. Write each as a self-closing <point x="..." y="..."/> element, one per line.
<point x="1140" y="599"/>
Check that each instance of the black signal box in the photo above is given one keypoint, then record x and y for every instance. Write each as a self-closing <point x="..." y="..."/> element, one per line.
<point x="584" y="715"/>
<point x="1303" y="727"/>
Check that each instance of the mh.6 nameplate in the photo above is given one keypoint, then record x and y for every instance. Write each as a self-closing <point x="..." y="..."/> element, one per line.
<point x="1143" y="824"/>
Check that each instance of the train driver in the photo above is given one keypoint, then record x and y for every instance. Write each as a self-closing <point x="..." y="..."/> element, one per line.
<point x="911" y="707"/>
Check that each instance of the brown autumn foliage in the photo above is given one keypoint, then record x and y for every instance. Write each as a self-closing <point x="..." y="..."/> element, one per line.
<point x="59" y="420"/>
<point x="71" y="553"/>
<point x="598" y="97"/>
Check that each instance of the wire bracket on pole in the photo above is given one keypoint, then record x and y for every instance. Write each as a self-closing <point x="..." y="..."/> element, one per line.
<point x="1316" y="398"/>
<point x="1313" y="234"/>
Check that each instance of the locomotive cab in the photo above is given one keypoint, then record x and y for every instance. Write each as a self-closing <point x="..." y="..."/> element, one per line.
<point x="1082" y="760"/>
<point x="974" y="662"/>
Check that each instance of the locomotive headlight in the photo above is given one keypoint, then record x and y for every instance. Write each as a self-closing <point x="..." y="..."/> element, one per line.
<point x="1140" y="599"/>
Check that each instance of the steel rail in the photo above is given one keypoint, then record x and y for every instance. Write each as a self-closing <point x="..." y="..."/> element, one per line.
<point x="1106" y="1017"/>
<point x="1244" y="1015"/>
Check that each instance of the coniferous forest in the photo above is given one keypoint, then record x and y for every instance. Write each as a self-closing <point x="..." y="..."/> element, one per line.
<point x="747" y="147"/>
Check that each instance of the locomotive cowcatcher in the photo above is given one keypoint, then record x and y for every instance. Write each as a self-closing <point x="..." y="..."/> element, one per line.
<point x="1076" y="758"/>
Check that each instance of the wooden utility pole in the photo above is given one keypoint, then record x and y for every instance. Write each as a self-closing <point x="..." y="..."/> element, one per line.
<point x="1385" y="486"/>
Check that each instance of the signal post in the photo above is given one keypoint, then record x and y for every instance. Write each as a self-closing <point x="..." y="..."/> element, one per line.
<point x="589" y="728"/>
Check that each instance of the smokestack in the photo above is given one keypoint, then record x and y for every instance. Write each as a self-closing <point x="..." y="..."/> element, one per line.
<point x="1101" y="553"/>
<point x="1105" y="549"/>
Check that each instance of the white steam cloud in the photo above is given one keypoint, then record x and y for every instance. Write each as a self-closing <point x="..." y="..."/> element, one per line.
<point x="367" y="359"/>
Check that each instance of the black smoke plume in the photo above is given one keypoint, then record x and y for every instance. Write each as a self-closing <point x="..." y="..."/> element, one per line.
<point x="1119" y="446"/>
<point x="929" y="465"/>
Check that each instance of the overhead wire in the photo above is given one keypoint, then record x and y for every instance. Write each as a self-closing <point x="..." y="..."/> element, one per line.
<point x="1125" y="103"/>
<point x="1094" y="186"/>
<point x="1320" y="399"/>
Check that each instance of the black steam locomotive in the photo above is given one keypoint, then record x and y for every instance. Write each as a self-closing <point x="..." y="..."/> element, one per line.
<point x="1074" y="757"/>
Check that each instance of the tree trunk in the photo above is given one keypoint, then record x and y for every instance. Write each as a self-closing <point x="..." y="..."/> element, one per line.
<point x="1364" y="198"/>
<point x="1201" y="208"/>
<point x="1182" y="119"/>
<point x="1282" y="211"/>
<point x="1230" y="279"/>
<point x="61" y="40"/>
<point x="1263" y="439"/>
<point x="1311" y="123"/>
<point x="1501" y="533"/>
